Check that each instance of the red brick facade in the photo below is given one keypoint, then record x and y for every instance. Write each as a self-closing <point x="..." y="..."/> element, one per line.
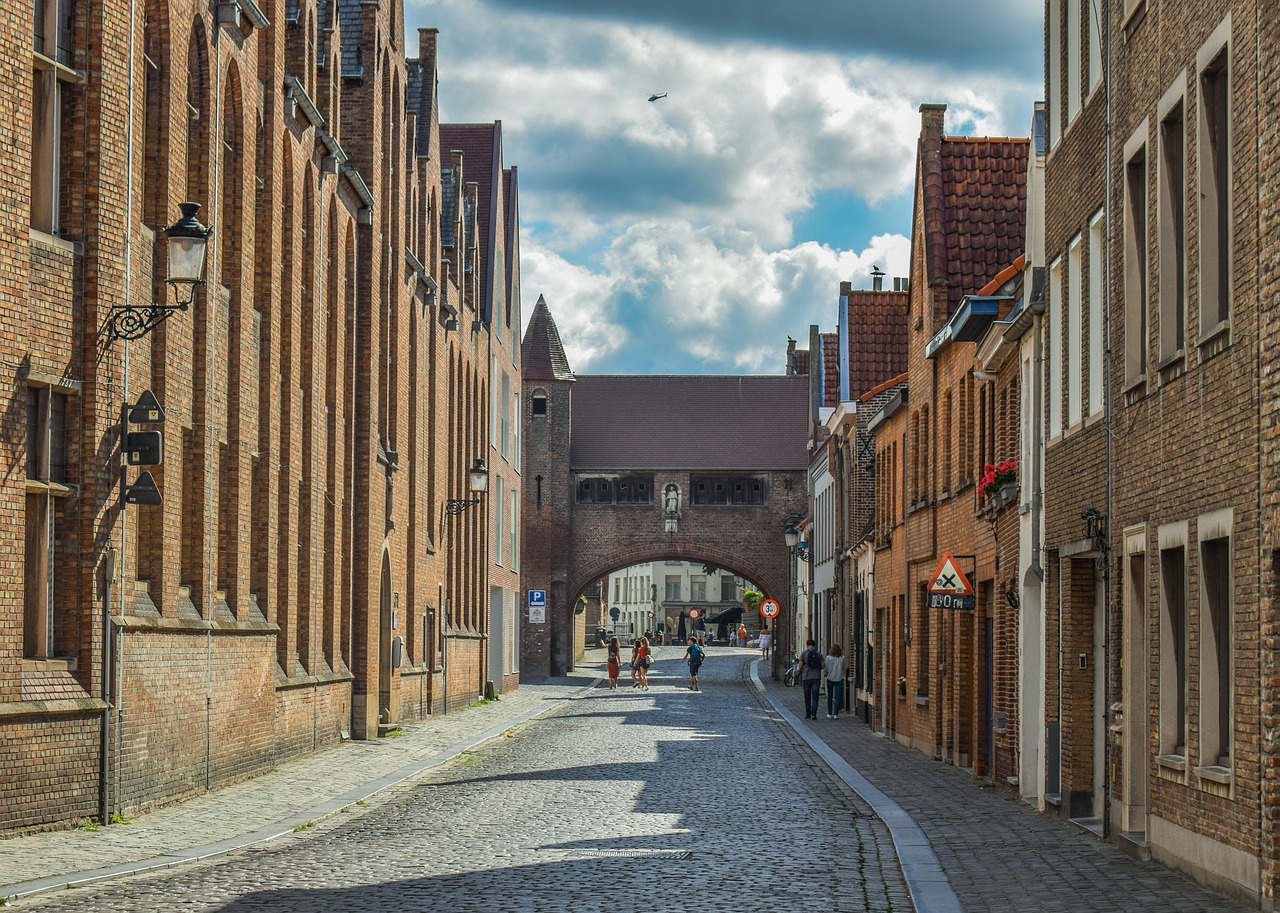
<point x="301" y="581"/>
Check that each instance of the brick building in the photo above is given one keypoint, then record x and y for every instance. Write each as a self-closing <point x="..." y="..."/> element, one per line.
<point x="1153" y="470"/>
<point x="287" y="592"/>
<point x="627" y="470"/>
<point x="954" y="672"/>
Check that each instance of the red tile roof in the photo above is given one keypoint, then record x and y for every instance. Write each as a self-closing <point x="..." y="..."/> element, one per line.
<point x="701" y="422"/>
<point x="877" y="323"/>
<point x="983" y="195"/>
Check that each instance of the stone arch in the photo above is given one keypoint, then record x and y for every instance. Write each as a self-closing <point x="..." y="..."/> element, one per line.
<point x="694" y="553"/>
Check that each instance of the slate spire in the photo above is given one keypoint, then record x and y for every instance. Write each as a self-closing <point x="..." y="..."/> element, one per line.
<point x="540" y="351"/>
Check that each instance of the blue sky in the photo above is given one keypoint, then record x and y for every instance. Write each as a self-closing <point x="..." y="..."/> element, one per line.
<point x="695" y="233"/>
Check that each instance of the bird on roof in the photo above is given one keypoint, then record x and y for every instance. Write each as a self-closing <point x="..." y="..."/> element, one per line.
<point x="656" y="96"/>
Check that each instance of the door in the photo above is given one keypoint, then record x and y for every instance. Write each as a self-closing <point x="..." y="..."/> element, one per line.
<point x="989" y="706"/>
<point x="385" y="633"/>
<point x="1135" y="723"/>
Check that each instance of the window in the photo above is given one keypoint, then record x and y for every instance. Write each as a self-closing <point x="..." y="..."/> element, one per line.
<point x="1097" y="345"/>
<point x="1057" y="312"/>
<point x="728" y="490"/>
<point x="499" y="524"/>
<point x="506" y="416"/>
<point x="517" y="418"/>
<point x="515" y="531"/>
<point x="673" y="588"/>
<point x="595" y="491"/>
<point x="1135" y="259"/>
<point x="617" y="490"/>
<point x="1215" y="651"/>
<point x="728" y="588"/>
<point x="46" y="613"/>
<point x="944" y="424"/>
<point x="1073" y="25"/>
<point x="698" y="588"/>
<point x="1172" y="214"/>
<point x="1055" y="72"/>
<point x="1093" y="12"/>
<point x="1214" y="157"/>
<point x="1075" y="330"/>
<point x="539" y="404"/>
<point x="1173" y="651"/>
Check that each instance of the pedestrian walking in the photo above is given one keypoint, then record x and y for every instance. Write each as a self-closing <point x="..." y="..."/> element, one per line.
<point x="635" y="663"/>
<point x="811" y="663"/>
<point x="742" y="634"/>
<point x="766" y="639"/>
<point x="694" y="656"/>
<point x="615" y="662"/>
<point x="645" y="655"/>
<point x="836" y="666"/>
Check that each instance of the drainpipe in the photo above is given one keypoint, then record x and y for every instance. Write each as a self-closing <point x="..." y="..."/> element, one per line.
<point x="104" y="772"/>
<point x="1105" y="719"/>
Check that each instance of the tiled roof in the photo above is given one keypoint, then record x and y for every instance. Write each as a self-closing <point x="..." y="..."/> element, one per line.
<point x="877" y="323"/>
<point x="983" y="209"/>
<point x="481" y="147"/>
<point x="830" y="369"/>
<point x="351" y="28"/>
<point x="802" y="362"/>
<point x="641" y="422"/>
<point x="541" y="352"/>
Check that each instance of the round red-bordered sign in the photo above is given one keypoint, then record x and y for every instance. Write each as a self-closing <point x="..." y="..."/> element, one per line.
<point x="770" y="608"/>
<point x="695" y="614"/>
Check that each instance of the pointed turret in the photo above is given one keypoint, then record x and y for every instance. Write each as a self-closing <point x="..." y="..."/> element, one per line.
<point x="541" y="351"/>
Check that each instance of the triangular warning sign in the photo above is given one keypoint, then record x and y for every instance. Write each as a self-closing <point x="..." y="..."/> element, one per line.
<point x="948" y="578"/>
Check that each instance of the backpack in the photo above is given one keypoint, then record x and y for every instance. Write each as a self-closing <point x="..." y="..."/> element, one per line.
<point x="695" y="653"/>
<point x="813" y="659"/>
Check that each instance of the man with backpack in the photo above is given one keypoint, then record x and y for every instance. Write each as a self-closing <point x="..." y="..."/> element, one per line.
<point x="694" y="656"/>
<point x="811" y="665"/>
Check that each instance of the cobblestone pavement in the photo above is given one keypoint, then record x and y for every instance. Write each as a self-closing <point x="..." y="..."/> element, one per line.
<point x="999" y="853"/>
<point x="623" y="800"/>
<point x="266" y="805"/>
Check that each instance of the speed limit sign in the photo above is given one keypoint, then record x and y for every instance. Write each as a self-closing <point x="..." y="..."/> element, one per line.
<point x="770" y="608"/>
<point x="695" y="614"/>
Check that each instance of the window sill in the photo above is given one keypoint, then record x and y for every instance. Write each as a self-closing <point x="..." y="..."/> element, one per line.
<point x="1172" y="762"/>
<point x="1135" y="389"/>
<point x="53" y="242"/>
<point x="1215" y="773"/>
<point x="922" y="700"/>
<point x="1215" y="341"/>
<point x="56" y="489"/>
<point x="63" y="72"/>
<point x="1172" y="366"/>
<point x="50" y="664"/>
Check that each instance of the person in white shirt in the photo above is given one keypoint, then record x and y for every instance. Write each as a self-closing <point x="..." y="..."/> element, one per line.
<point x="765" y="639"/>
<point x="835" y="667"/>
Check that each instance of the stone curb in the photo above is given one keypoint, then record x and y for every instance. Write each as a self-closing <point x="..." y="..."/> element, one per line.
<point x="284" y="826"/>
<point x="927" y="884"/>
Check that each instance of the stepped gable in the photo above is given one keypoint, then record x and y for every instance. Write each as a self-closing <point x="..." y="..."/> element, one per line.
<point x="877" y="323"/>
<point x="690" y="422"/>
<point x="541" y="354"/>
<point x="982" y="197"/>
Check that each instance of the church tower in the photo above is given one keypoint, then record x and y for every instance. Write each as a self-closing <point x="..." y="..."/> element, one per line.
<point x="547" y="500"/>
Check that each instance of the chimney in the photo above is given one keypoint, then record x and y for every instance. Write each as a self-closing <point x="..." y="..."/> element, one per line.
<point x="427" y="48"/>
<point x="932" y="117"/>
<point x="877" y="279"/>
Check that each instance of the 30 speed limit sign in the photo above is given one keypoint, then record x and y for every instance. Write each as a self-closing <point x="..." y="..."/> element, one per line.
<point x="770" y="608"/>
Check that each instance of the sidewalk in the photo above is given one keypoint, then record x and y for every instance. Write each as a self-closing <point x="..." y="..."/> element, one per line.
<point x="297" y="793"/>
<point x="996" y="852"/>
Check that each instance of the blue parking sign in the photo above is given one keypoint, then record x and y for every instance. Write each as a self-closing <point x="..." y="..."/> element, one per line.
<point x="537" y="599"/>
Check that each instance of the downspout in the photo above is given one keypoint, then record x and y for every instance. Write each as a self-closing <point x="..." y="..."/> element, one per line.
<point x="115" y="558"/>
<point x="1105" y="720"/>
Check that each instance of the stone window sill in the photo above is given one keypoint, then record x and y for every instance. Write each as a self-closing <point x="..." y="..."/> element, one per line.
<point x="1215" y="773"/>
<point x="1172" y="762"/>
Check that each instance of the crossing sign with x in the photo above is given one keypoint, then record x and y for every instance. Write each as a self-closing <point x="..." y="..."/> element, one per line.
<point x="950" y="588"/>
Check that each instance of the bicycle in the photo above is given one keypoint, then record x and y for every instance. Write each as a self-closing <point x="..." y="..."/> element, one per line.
<point x="793" y="672"/>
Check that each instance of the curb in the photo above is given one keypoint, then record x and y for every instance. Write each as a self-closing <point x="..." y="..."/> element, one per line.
<point x="285" y="826"/>
<point x="927" y="884"/>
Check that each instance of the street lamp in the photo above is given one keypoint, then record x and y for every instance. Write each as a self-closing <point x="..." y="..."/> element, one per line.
<point x="478" y="483"/>
<point x="188" y="242"/>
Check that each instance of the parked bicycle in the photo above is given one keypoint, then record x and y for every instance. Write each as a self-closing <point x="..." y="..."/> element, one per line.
<point x="793" y="672"/>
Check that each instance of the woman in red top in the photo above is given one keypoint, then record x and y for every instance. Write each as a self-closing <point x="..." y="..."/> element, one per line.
<point x="644" y="655"/>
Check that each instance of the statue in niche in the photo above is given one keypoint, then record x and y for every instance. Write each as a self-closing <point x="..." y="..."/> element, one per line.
<point x="671" y="500"/>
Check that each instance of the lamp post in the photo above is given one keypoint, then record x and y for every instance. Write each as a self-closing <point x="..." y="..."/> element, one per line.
<point x="188" y="243"/>
<point x="477" y="484"/>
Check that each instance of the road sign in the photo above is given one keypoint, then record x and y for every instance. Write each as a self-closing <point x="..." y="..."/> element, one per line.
<point x="770" y="608"/>
<point x="949" y="588"/>
<point x="537" y="615"/>
<point x="537" y="599"/>
<point x="695" y="614"/>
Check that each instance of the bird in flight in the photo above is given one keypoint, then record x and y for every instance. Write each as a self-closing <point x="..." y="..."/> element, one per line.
<point x="656" y="96"/>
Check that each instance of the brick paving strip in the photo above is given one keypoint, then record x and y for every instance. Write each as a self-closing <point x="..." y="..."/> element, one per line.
<point x="296" y="794"/>
<point x="993" y="852"/>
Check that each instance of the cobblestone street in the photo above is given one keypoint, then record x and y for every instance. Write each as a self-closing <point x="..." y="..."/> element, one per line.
<point x="657" y="800"/>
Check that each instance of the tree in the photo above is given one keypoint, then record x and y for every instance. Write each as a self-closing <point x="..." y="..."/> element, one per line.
<point x="751" y="600"/>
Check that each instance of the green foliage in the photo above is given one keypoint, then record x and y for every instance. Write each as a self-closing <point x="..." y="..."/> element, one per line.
<point x="751" y="599"/>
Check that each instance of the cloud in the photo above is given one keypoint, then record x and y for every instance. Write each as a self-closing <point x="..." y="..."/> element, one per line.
<point x="664" y="234"/>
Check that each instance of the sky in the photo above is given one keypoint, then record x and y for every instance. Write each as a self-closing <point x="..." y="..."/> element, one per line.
<point x="695" y="233"/>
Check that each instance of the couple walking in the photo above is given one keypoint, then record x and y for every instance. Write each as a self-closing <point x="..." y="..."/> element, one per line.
<point x="814" y="668"/>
